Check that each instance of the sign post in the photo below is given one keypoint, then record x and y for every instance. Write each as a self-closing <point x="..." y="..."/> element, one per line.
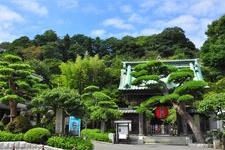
<point x="74" y="126"/>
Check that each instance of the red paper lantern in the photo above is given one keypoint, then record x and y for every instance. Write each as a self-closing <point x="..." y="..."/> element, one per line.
<point x="161" y="112"/>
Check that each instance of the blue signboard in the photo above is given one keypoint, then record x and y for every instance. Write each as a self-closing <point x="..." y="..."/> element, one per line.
<point x="74" y="126"/>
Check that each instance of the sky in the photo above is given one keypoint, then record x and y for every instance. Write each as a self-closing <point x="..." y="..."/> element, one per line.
<point x="107" y="18"/>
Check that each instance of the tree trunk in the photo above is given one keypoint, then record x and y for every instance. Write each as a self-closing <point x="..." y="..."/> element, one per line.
<point x="103" y="126"/>
<point x="141" y="130"/>
<point x="59" y="127"/>
<point x="12" y="109"/>
<point x="181" y="110"/>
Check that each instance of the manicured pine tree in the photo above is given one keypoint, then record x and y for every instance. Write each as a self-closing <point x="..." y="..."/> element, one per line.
<point x="18" y="82"/>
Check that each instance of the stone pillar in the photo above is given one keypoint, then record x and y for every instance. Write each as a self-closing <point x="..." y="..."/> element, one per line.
<point x="59" y="123"/>
<point x="141" y="128"/>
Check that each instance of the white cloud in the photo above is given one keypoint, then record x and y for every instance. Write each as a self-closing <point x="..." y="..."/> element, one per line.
<point x="187" y="22"/>
<point x="9" y="15"/>
<point x="32" y="6"/>
<point x="170" y="7"/>
<point x="68" y="4"/>
<point x="136" y="18"/>
<point x="98" y="32"/>
<point x="117" y="23"/>
<point x="150" y="31"/>
<point x="8" y="18"/>
<point x="91" y="9"/>
<point x="201" y="8"/>
<point x="126" y="9"/>
<point x="148" y="4"/>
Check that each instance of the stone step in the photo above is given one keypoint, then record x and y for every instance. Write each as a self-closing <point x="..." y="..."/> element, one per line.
<point x="175" y="140"/>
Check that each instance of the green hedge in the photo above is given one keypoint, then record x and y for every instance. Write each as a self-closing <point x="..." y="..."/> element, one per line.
<point x="70" y="143"/>
<point x="95" y="134"/>
<point x="37" y="135"/>
<point x="8" y="136"/>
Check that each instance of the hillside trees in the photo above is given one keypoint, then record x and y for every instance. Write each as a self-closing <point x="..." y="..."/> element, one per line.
<point x="171" y="42"/>
<point x="19" y="83"/>
<point x="212" y="51"/>
<point x="177" y="88"/>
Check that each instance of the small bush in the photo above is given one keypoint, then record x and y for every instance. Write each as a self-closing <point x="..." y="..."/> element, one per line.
<point x="95" y="134"/>
<point x="70" y="143"/>
<point x="8" y="136"/>
<point x="19" y="124"/>
<point x="37" y="135"/>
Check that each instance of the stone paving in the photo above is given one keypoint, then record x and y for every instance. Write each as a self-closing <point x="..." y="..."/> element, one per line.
<point x="109" y="146"/>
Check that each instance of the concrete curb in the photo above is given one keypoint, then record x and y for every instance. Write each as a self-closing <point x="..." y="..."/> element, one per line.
<point x="21" y="145"/>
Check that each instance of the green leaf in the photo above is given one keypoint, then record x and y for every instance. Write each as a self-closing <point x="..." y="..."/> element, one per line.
<point x="185" y="98"/>
<point x="190" y="86"/>
<point x="169" y="97"/>
<point x="91" y="88"/>
<point x="12" y="97"/>
<point x="139" y="73"/>
<point x="12" y="58"/>
<point x="180" y="76"/>
<point x="145" y="79"/>
<point x="6" y="71"/>
<point x="19" y="66"/>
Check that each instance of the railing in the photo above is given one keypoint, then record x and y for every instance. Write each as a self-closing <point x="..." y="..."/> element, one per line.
<point x="162" y="130"/>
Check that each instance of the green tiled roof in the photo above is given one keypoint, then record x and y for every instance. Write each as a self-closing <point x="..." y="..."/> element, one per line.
<point x="126" y="78"/>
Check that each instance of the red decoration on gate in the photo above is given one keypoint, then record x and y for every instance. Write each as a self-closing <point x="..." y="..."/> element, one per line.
<point x="161" y="112"/>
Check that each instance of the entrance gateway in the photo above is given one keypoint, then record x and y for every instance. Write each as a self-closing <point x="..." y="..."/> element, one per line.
<point x="134" y="95"/>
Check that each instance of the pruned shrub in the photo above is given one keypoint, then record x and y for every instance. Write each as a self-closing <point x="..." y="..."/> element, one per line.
<point x="37" y="135"/>
<point x="95" y="134"/>
<point x="70" y="143"/>
<point x="8" y="136"/>
<point x="18" y="124"/>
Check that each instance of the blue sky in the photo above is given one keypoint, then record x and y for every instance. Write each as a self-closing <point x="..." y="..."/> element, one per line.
<point x="106" y="18"/>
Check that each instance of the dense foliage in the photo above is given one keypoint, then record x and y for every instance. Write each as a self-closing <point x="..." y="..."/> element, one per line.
<point x="8" y="136"/>
<point x="100" y="107"/>
<point x="18" y="82"/>
<point x="70" y="143"/>
<point x="212" y="51"/>
<point x="95" y="134"/>
<point x="37" y="135"/>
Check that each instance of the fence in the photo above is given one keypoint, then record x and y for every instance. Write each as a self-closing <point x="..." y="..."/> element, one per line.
<point x="162" y="129"/>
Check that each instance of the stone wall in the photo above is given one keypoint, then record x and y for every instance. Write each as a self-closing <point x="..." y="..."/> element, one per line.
<point x="21" y="145"/>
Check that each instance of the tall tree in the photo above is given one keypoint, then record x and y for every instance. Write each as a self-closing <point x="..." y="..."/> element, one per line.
<point x="177" y="88"/>
<point x="212" y="51"/>
<point x="69" y="101"/>
<point x="47" y="36"/>
<point x="82" y="72"/>
<point x="100" y="106"/>
<point x="18" y="82"/>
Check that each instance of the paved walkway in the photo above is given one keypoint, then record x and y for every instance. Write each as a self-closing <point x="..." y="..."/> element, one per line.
<point x="109" y="146"/>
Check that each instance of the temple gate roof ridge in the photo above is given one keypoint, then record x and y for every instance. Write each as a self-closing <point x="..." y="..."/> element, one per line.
<point x="126" y="78"/>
